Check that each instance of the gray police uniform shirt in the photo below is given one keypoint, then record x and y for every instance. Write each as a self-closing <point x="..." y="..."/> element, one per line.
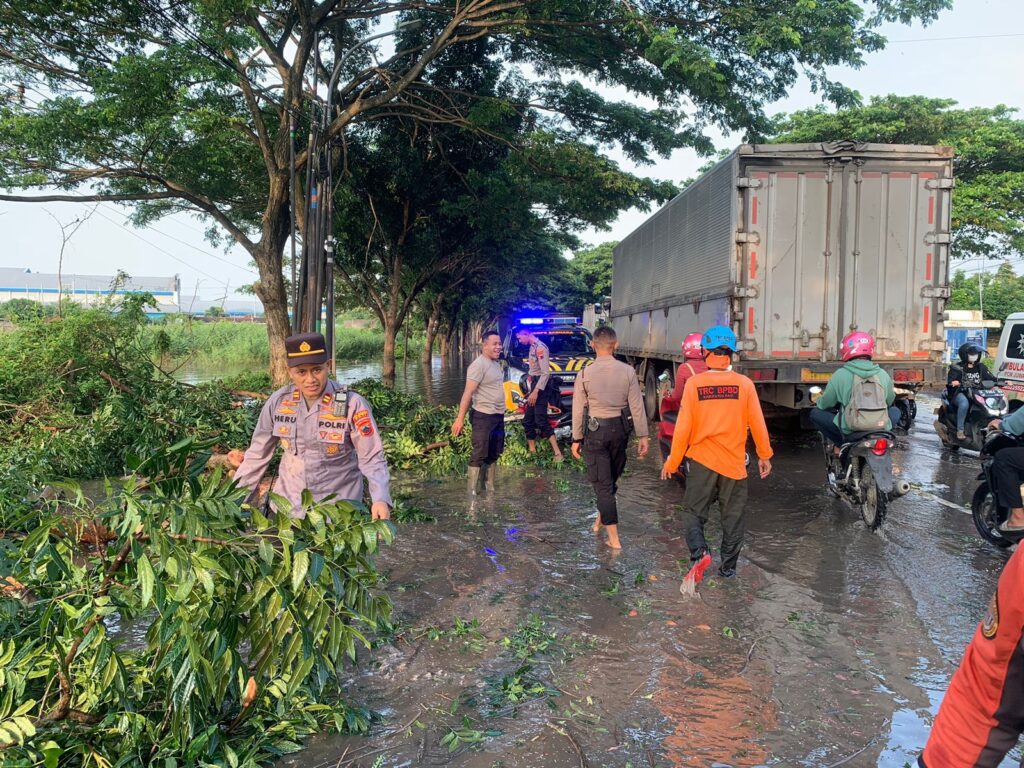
<point x="489" y="396"/>
<point x="607" y="386"/>
<point x="540" y="364"/>
<point x="325" y="451"/>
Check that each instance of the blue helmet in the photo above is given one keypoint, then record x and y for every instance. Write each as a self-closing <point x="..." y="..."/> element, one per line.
<point x="719" y="336"/>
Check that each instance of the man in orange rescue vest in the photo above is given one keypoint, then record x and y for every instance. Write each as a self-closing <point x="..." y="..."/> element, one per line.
<point x="982" y="715"/>
<point x="719" y="407"/>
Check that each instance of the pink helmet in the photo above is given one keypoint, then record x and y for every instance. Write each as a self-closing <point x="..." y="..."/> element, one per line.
<point x="691" y="347"/>
<point x="856" y="344"/>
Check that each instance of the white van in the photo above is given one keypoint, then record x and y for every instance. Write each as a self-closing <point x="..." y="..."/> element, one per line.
<point x="1010" y="359"/>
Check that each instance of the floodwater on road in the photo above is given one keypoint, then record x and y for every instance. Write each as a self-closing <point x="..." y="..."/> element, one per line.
<point x="522" y="641"/>
<point x="437" y="382"/>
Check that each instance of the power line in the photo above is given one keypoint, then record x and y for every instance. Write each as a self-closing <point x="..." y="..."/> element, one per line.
<point x="959" y="37"/>
<point x="188" y="244"/>
<point x="162" y="250"/>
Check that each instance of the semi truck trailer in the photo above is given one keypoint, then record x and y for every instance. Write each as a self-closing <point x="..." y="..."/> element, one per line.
<point x="793" y="246"/>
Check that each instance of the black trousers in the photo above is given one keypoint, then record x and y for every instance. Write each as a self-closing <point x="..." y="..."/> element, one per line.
<point x="1008" y="469"/>
<point x="702" y="487"/>
<point x="604" y="453"/>
<point x="488" y="437"/>
<point x="535" y="421"/>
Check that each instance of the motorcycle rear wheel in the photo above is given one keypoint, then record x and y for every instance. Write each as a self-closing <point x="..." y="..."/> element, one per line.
<point x="985" y="513"/>
<point x="873" y="505"/>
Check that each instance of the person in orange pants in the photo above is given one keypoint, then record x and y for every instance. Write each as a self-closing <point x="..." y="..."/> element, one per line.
<point x="982" y="716"/>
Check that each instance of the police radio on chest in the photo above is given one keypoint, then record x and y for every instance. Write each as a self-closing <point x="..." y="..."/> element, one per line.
<point x="341" y="403"/>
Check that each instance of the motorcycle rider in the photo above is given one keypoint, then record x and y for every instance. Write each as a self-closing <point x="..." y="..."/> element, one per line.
<point x="692" y="364"/>
<point x="1008" y="469"/>
<point x="970" y="373"/>
<point x="856" y="351"/>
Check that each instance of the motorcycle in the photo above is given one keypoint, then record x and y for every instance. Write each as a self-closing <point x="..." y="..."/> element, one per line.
<point x="985" y="404"/>
<point x="862" y="473"/>
<point x="986" y="511"/>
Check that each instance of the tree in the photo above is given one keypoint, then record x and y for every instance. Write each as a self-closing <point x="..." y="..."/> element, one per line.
<point x="22" y="310"/>
<point x="184" y="105"/>
<point x="592" y="270"/>
<point x="442" y="206"/>
<point x="988" y="203"/>
<point x="1001" y="293"/>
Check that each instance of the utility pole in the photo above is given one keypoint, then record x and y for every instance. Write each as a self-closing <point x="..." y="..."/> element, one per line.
<point x="316" y="272"/>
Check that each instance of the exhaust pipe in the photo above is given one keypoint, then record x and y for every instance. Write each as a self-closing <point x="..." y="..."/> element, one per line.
<point x="902" y="488"/>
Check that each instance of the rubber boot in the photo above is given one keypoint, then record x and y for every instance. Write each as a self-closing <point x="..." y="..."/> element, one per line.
<point x="487" y="477"/>
<point x="474" y="480"/>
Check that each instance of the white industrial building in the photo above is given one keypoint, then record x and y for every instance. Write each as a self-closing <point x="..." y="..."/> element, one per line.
<point x="23" y="283"/>
<point x="44" y="287"/>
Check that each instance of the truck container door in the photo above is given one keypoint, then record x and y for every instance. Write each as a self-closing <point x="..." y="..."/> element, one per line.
<point x="893" y="247"/>
<point x="788" y="262"/>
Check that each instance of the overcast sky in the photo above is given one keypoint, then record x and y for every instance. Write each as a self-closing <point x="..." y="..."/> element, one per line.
<point x="973" y="53"/>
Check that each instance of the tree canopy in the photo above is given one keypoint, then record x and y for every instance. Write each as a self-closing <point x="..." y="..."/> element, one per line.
<point x="186" y="105"/>
<point x="988" y="202"/>
<point x="1001" y="293"/>
<point x="591" y="269"/>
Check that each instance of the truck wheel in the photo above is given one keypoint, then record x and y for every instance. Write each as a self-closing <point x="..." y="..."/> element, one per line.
<point x="651" y="393"/>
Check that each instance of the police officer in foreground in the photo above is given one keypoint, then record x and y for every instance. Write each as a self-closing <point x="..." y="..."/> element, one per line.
<point x="485" y="389"/>
<point x="328" y="435"/>
<point x="603" y="393"/>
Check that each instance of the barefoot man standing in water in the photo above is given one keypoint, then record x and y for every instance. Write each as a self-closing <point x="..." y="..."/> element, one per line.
<point x="606" y="389"/>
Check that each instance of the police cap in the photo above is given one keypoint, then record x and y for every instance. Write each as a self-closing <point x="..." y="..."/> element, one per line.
<point x="306" y="349"/>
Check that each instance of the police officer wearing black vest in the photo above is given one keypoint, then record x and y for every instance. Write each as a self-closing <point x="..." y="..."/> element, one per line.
<point x="606" y="407"/>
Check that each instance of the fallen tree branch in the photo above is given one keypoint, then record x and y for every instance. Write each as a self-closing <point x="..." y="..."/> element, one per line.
<point x="247" y="393"/>
<point x="114" y="382"/>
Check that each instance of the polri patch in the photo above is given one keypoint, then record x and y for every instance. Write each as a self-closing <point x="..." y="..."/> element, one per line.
<point x="332" y="450"/>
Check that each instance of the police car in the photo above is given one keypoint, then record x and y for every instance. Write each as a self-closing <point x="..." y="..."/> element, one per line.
<point x="571" y="351"/>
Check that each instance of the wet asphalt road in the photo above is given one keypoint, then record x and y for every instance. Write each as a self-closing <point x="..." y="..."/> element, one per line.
<point x="833" y="646"/>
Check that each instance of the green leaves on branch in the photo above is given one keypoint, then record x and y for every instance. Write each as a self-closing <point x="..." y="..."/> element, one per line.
<point x="192" y="629"/>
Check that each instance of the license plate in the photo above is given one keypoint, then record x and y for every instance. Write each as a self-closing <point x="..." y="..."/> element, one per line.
<point x="806" y="374"/>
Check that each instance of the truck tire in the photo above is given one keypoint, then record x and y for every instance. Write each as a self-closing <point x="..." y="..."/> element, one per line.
<point x="651" y="393"/>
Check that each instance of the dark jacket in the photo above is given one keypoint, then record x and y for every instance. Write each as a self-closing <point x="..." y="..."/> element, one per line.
<point x="967" y="374"/>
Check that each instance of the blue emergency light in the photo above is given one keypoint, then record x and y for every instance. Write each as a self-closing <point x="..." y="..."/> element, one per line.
<point x="556" y="320"/>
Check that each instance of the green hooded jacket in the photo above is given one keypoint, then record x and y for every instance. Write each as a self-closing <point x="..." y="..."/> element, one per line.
<point x="840" y="388"/>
